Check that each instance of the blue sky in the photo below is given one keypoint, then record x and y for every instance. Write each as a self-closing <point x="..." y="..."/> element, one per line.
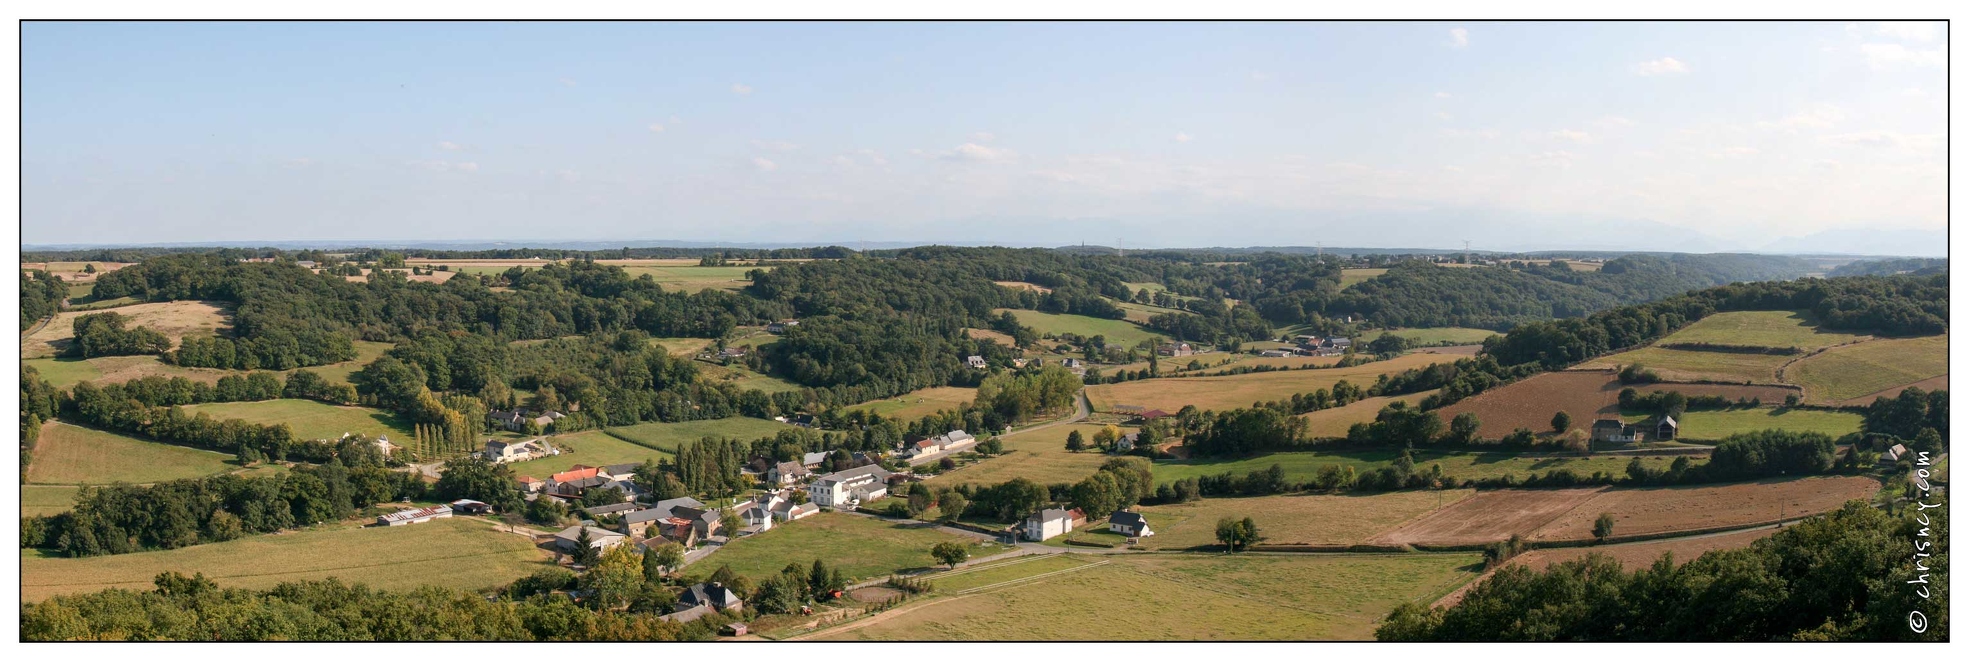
<point x="1712" y="136"/>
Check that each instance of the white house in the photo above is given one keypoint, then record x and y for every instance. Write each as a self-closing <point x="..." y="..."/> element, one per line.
<point x="975" y="361"/>
<point x="1129" y="524"/>
<point x="514" y="451"/>
<point x="419" y="515"/>
<point x="789" y="511"/>
<point x="843" y="489"/>
<point x="570" y="538"/>
<point x="1048" y="523"/>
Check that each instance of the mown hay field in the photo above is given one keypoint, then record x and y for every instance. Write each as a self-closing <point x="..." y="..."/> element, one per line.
<point x="1292" y="519"/>
<point x="1691" y="365"/>
<point x="669" y="436"/>
<point x="310" y="419"/>
<point x="1178" y="597"/>
<point x="592" y="448"/>
<point x="73" y="455"/>
<point x="859" y="546"/>
<point x="1301" y="466"/>
<point x="461" y="552"/>
<point x="1715" y="425"/>
<point x="47" y="499"/>
<point x="1352" y="277"/>
<point x="1488" y="517"/>
<point x="1039" y="455"/>
<point x="1436" y="336"/>
<point x="919" y="403"/>
<point x="1119" y="333"/>
<point x="1861" y="369"/>
<point x="1234" y="391"/>
<point x="1334" y="422"/>
<point x="174" y="319"/>
<point x="1764" y="328"/>
<point x="1666" y="509"/>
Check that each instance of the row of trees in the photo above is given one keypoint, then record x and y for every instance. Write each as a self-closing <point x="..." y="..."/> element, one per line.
<point x="42" y="295"/>
<point x="106" y="334"/>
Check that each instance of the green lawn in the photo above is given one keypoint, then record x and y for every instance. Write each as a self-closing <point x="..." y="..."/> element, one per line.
<point x="1437" y="336"/>
<point x="593" y="448"/>
<point x="310" y="419"/>
<point x="63" y="373"/>
<point x="669" y="436"/>
<point x="919" y="403"/>
<point x="1118" y="332"/>
<point x="682" y="346"/>
<point x="1304" y="465"/>
<point x="366" y="352"/>
<point x="1771" y="328"/>
<point x="73" y="455"/>
<point x="465" y="553"/>
<point x="860" y="547"/>
<point x="1715" y="425"/>
<point x="691" y="278"/>
<point x="46" y="499"/>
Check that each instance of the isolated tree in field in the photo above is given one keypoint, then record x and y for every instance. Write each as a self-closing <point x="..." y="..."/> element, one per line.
<point x="1603" y="527"/>
<point x="1237" y="535"/>
<point x="1075" y="442"/>
<point x="950" y="553"/>
<point x="919" y="502"/>
<point x="89" y="268"/>
<point x="1561" y="422"/>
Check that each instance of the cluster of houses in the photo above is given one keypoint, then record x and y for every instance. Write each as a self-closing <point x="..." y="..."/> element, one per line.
<point x="517" y="420"/>
<point x="1054" y="522"/>
<point x="938" y="447"/>
<point x="1175" y="349"/>
<point x="1615" y="431"/>
<point x="572" y="484"/>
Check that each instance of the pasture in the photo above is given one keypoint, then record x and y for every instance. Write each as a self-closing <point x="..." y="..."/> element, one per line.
<point x="1639" y="555"/>
<point x="310" y="419"/>
<point x="1334" y="422"/>
<point x="366" y="352"/>
<point x="174" y="319"/>
<point x="1715" y="425"/>
<point x="65" y="372"/>
<point x="860" y="547"/>
<point x="1319" y="519"/>
<point x="682" y="346"/>
<point x="464" y="553"/>
<point x="668" y="436"/>
<point x="1861" y="369"/>
<point x="738" y="375"/>
<point x="1140" y="313"/>
<point x="47" y="499"/>
<point x="1448" y="335"/>
<point x="1689" y="365"/>
<point x="1302" y="466"/>
<point x="1769" y="328"/>
<point x="693" y="278"/>
<point x="988" y="334"/>
<point x="1117" y="332"/>
<point x="1040" y="456"/>
<point x="1233" y="391"/>
<point x="592" y="448"/>
<point x="1666" y="509"/>
<point x="1175" y="597"/>
<point x="919" y="403"/>
<point x="73" y="455"/>
<point x="1352" y="277"/>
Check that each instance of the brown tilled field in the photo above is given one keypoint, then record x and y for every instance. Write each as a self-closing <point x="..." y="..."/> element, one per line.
<point x="1488" y="517"/>
<point x="988" y="334"/>
<point x="1667" y="509"/>
<point x="1530" y="403"/>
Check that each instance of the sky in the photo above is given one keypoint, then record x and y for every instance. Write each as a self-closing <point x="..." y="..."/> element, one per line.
<point x="1699" y="136"/>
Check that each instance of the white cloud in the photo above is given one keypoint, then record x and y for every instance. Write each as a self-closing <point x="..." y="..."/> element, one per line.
<point x="655" y="127"/>
<point x="1893" y="56"/>
<point x="1442" y="95"/>
<point x="977" y="153"/>
<point x="1459" y="37"/>
<point x="450" y="146"/>
<point x="764" y="164"/>
<point x="1821" y="116"/>
<point x="1183" y="137"/>
<point x="444" y="166"/>
<point x="1923" y="31"/>
<point x="1486" y="134"/>
<point x="1661" y="67"/>
<point x="741" y="89"/>
<point x="1571" y="135"/>
<point x="983" y="136"/>
<point x="775" y="145"/>
<point x="468" y="166"/>
<point x="1733" y="153"/>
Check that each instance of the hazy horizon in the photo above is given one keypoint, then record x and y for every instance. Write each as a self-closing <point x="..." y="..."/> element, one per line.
<point x="1773" y="137"/>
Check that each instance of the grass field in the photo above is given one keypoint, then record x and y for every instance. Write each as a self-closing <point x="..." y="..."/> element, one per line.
<point x="1686" y="365"/>
<point x="682" y="346"/>
<point x="63" y="373"/>
<point x="1234" y="391"/>
<point x="1852" y="371"/>
<point x="1292" y="519"/>
<point x="1715" y="425"/>
<point x="1174" y="597"/>
<point x="1665" y="509"/>
<point x="1140" y="313"/>
<point x="671" y="435"/>
<point x="1118" y="332"/>
<point x="860" y="547"/>
<point x="1352" y="277"/>
<point x="692" y="278"/>
<point x="1774" y="328"/>
<point x="174" y="319"/>
<point x="72" y="455"/>
<point x="592" y="448"/>
<point x="310" y="419"/>
<point x="1435" y="336"/>
<point x="46" y="499"/>
<point x="1304" y="465"/>
<point x="742" y="377"/>
<point x="1335" y="422"/>
<point x="1040" y="456"/>
<point x="919" y="403"/>
<point x="366" y="352"/>
<point x="464" y="553"/>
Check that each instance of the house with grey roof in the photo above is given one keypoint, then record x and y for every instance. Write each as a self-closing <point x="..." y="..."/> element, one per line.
<point x="842" y="489"/>
<point x="787" y="473"/>
<point x="1129" y="524"/>
<point x="1047" y="524"/>
<point x="569" y="539"/>
<point x="713" y="595"/>
<point x="815" y="459"/>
